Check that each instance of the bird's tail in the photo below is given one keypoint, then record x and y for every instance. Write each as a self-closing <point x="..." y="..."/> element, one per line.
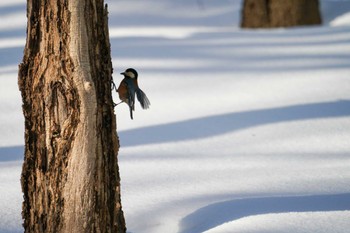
<point x="131" y="116"/>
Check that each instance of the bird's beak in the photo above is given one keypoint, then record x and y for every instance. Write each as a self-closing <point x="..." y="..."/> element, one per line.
<point x="123" y="73"/>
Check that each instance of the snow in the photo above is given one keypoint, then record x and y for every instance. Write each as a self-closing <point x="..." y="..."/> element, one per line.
<point x="248" y="131"/>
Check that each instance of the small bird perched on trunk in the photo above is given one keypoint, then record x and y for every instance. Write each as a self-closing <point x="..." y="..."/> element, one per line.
<point x="127" y="89"/>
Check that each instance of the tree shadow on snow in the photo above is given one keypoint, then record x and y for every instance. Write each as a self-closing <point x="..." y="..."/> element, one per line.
<point x="14" y="153"/>
<point x="218" y="213"/>
<point x="239" y="50"/>
<point x="220" y="124"/>
<point x="214" y="125"/>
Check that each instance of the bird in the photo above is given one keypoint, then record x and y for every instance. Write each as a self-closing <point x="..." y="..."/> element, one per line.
<point x="127" y="89"/>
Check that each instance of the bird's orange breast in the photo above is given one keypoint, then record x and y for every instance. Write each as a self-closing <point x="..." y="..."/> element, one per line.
<point x="123" y="92"/>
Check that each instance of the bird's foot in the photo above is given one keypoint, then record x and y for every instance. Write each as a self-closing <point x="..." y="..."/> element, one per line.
<point x="114" y="104"/>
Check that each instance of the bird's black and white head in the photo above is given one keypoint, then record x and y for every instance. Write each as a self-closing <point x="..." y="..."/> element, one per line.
<point x="130" y="73"/>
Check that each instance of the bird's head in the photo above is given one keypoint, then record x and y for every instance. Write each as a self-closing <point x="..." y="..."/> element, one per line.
<point x="130" y="73"/>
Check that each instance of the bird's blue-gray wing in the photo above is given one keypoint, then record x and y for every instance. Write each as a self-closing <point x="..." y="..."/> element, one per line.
<point x="131" y="97"/>
<point x="131" y="92"/>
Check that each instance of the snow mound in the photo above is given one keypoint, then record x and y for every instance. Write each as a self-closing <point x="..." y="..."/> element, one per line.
<point x="249" y="130"/>
<point x="343" y="20"/>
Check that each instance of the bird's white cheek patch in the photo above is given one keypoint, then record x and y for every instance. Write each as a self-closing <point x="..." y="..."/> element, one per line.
<point x="130" y="74"/>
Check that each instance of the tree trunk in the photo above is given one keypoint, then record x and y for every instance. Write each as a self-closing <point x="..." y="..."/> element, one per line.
<point x="70" y="177"/>
<point x="279" y="13"/>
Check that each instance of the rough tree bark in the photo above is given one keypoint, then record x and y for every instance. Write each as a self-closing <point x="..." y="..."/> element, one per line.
<point x="279" y="13"/>
<point x="70" y="177"/>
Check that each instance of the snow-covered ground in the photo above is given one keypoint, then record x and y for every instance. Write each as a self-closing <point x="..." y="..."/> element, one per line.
<point x="248" y="131"/>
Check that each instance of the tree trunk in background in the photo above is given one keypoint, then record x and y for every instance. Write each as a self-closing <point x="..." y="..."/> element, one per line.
<point x="279" y="13"/>
<point x="70" y="177"/>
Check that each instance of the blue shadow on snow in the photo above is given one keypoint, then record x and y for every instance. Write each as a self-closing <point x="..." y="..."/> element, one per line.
<point x="13" y="153"/>
<point x="214" y="125"/>
<point x="220" y="124"/>
<point x="218" y="213"/>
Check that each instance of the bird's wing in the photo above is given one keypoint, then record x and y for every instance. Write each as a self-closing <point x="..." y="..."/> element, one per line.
<point x="142" y="98"/>
<point x="131" y="92"/>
